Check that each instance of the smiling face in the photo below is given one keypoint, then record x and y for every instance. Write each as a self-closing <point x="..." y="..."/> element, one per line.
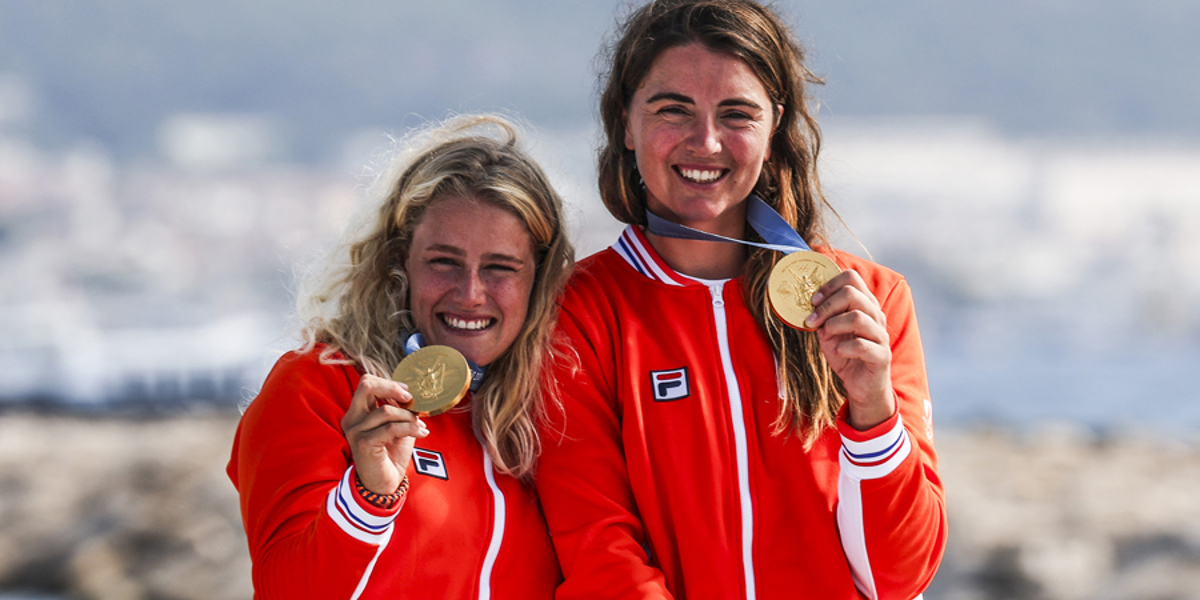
<point x="700" y="124"/>
<point x="470" y="273"/>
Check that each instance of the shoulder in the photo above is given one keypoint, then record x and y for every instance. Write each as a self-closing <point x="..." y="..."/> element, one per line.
<point x="889" y="287"/>
<point x="596" y="267"/>
<point x="293" y="425"/>
<point x="604" y="292"/>
<point x="314" y="364"/>
<point x="306" y="379"/>
<point x="594" y="278"/>
<point x="881" y="280"/>
<point x="875" y="274"/>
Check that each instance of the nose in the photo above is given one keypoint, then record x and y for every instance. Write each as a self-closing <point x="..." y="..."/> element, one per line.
<point x="471" y="289"/>
<point x="704" y="137"/>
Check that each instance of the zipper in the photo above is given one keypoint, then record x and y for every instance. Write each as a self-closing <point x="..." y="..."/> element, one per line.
<point x="489" y="560"/>
<point x="718" y="297"/>
<point x="737" y="421"/>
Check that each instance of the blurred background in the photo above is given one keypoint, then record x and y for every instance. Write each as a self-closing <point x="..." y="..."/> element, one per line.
<point x="1032" y="167"/>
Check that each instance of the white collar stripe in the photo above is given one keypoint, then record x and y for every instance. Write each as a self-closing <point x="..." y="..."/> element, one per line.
<point x="646" y="257"/>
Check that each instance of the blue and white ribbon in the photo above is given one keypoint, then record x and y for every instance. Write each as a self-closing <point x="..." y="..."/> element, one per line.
<point x="416" y="341"/>
<point x="772" y="227"/>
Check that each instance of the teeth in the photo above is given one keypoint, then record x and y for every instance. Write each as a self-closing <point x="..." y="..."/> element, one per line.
<point x="700" y="175"/>
<point x="472" y="325"/>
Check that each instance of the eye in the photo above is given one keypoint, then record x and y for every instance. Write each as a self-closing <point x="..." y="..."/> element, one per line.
<point x="443" y="262"/>
<point x="672" y="110"/>
<point x="737" y="116"/>
<point x="501" y="268"/>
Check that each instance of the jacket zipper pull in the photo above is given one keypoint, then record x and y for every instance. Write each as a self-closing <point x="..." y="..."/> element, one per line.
<point x="717" y="297"/>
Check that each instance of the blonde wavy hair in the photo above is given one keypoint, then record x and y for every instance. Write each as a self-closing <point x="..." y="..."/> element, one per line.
<point x="356" y="302"/>
<point x="810" y="393"/>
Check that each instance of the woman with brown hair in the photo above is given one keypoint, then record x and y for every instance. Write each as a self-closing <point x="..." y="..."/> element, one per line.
<point x="746" y="417"/>
<point x="345" y="492"/>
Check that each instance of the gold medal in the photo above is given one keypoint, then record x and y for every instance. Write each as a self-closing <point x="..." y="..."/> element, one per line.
<point x="794" y="280"/>
<point x="436" y="376"/>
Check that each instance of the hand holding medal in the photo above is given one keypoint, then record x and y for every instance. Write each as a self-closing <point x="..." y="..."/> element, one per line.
<point x="384" y="415"/>
<point x="852" y="330"/>
<point x="381" y="432"/>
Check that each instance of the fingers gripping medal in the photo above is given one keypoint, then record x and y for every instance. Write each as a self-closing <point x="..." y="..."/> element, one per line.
<point x="437" y="377"/>
<point x="794" y="278"/>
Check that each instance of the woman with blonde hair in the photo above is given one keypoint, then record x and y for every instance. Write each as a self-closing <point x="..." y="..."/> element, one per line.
<point x="753" y="413"/>
<point x="345" y="493"/>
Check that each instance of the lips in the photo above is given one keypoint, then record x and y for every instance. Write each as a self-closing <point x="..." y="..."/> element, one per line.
<point x="701" y="175"/>
<point x="466" y="324"/>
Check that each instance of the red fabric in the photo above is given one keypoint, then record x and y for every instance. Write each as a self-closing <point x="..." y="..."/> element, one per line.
<point x="289" y="455"/>
<point x="643" y="496"/>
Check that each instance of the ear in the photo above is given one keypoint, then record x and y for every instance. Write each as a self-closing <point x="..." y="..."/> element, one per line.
<point x="629" y="135"/>
<point x="774" y="127"/>
<point x="402" y="264"/>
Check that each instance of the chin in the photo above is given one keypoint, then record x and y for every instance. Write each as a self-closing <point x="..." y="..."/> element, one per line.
<point x="480" y="347"/>
<point x="477" y="355"/>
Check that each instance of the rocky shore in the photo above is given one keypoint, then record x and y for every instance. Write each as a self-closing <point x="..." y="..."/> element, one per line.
<point x="105" y="508"/>
<point x="1068" y="514"/>
<point x="120" y="509"/>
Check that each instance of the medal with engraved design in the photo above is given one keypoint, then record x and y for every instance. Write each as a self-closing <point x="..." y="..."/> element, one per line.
<point x="794" y="280"/>
<point x="437" y="377"/>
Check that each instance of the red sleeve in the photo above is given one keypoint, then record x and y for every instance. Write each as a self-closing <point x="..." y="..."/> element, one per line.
<point x="891" y="504"/>
<point x="310" y="534"/>
<point x="582" y="481"/>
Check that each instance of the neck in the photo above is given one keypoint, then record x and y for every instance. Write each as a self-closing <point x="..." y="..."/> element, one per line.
<point x="695" y="258"/>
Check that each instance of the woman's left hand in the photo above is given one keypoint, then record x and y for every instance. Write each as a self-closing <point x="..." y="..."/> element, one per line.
<point x="852" y="330"/>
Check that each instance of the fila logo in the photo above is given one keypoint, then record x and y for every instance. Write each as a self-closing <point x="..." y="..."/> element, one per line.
<point x="428" y="462"/>
<point x="670" y="385"/>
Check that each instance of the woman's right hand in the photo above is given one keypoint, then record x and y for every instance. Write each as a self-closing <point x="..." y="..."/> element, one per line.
<point x="381" y="432"/>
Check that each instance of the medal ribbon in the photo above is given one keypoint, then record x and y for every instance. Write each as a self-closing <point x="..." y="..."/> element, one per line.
<point x="416" y="341"/>
<point x="761" y="217"/>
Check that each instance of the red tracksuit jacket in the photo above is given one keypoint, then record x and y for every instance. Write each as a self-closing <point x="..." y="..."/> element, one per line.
<point x="662" y="477"/>
<point x="463" y="531"/>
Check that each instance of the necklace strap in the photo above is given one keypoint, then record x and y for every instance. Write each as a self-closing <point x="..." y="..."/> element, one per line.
<point x="778" y="234"/>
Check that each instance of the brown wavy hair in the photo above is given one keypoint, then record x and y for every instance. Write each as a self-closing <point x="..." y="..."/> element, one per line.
<point x="809" y="391"/>
<point x="357" y="302"/>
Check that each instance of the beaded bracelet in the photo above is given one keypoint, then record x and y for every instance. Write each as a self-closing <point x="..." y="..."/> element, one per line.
<point x="380" y="500"/>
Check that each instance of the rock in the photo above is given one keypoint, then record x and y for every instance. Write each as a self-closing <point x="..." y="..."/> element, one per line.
<point x="107" y="508"/>
<point x="1066" y="514"/>
<point x="104" y="508"/>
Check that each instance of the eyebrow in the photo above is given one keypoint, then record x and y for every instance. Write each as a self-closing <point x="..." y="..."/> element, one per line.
<point x="677" y="97"/>
<point x="447" y="248"/>
<point x="497" y="256"/>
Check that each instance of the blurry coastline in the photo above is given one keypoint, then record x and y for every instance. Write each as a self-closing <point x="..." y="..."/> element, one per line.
<point x="1053" y="279"/>
<point x="107" y="507"/>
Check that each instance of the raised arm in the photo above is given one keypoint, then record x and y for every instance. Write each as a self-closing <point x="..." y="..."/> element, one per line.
<point x="891" y="504"/>
<point x="310" y="533"/>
